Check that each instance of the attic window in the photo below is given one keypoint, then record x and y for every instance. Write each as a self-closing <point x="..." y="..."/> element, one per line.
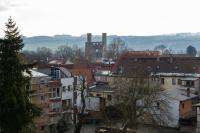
<point x="176" y="67"/>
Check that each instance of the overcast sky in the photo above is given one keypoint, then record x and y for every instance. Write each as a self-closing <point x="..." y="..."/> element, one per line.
<point x="120" y="17"/>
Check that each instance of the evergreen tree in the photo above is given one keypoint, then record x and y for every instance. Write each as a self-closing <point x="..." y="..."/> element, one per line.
<point x="16" y="109"/>
<point x="191" y="50"/>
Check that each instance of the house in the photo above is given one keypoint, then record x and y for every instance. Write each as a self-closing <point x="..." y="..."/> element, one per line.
<point x="154" y="63"/>
<point x="179" y="80"/>
<point x="180" y="106"/>
<point x="47" y="96"/>
<point x="95" y="109"/>
<point x="178" y="76"/>
<point x="197" y="107"/>
<point x="103" y="90"/>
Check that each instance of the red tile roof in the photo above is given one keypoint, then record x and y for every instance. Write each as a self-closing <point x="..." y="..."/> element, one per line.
<point x="86" y="72"/>
<point x="131" y="63"/>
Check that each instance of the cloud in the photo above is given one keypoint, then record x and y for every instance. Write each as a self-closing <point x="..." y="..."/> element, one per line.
<point x="3" y="8"/>
<point x="7" y="4"/>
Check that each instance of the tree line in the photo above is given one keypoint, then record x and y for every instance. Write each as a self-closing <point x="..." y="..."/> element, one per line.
<point x="190" y="50"/>
<point x="43" y="54"/>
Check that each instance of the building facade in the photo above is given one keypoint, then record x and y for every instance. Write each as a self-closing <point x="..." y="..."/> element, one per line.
<point x="47" y="96"/>
<point x="95" y="51"/>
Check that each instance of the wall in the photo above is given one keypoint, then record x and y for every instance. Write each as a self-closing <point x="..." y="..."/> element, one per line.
<point x="187" y="107"/>
<point x="104" y="95"/>
<point x="66" y="92"/>
<point x="168" y="83"/>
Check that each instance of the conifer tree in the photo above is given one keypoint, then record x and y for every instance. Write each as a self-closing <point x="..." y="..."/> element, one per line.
<point x="16" y="109"/>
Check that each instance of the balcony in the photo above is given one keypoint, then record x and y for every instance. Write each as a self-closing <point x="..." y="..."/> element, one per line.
<point x="55" y="99"/>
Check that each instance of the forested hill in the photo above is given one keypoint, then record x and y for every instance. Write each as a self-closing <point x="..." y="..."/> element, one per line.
<point x="177" y="42"/>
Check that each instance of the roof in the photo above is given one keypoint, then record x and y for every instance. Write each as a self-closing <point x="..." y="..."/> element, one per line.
<point x="189" y="79"/>
<point x="37" y="74"/>
<point x="143" y="53"/>
<point x="86" y="72"/>
<point x="197" y="105"/>
<point x="193" y="76"/>
<point x="178" y="94"/>
<point x="165" y="64"/>
<point x="101" y="87"/>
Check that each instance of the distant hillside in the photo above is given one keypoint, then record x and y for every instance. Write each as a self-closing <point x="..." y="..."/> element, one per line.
<point x="175" y="41"/>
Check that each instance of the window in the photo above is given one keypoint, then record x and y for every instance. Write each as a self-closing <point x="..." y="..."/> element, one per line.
<point x="90" y="94"/>
<point x="109" y="97"/>
<point x="69" y="102"/>
<point x="64" y="88"/>
<point x="54" y="92"/>
<point x="66" y="104"/>
<point x="69" y="87"/>
<point x="162" y="81"/>
<point x="42" y="98"/>
<point x="42" y="81"/>
<point x="182" y="105"/>
<point x="42" y="128"/>
<point x="57" y="74"/>
<point x="188" y="83"/>
<point x="179" y="81"/>
<point x="173" y="81"/>
<point x="98" y="95"/>
<point x="58" y="92"/>
<point x="158" y="105"/>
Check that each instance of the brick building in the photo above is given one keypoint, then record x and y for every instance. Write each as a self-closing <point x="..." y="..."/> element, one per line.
<point x="47" y="96"/>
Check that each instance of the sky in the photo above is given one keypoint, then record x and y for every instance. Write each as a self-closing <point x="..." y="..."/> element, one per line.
<point x="116" y="17"/>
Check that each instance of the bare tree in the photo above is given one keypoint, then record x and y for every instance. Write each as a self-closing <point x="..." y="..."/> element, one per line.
<point x="78" y="52"/>
<point x="140" y="101"/>
<point x="160" y="48"/>
<point x="30" y="56"/>
<point x="116" y="48"/>
<point x="44" y="54"/>
<point x="79" y="113"/>
<point x="65" y="52"/>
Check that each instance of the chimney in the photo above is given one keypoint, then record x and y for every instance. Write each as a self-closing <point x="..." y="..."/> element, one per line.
<point x="89" y="37"/>
<point x="188" y="92"/>
<point x="170" y="59"/>
<point x="104" y="38"/>
<point x="158" y="58"/>
<point x="104" y="42"/>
